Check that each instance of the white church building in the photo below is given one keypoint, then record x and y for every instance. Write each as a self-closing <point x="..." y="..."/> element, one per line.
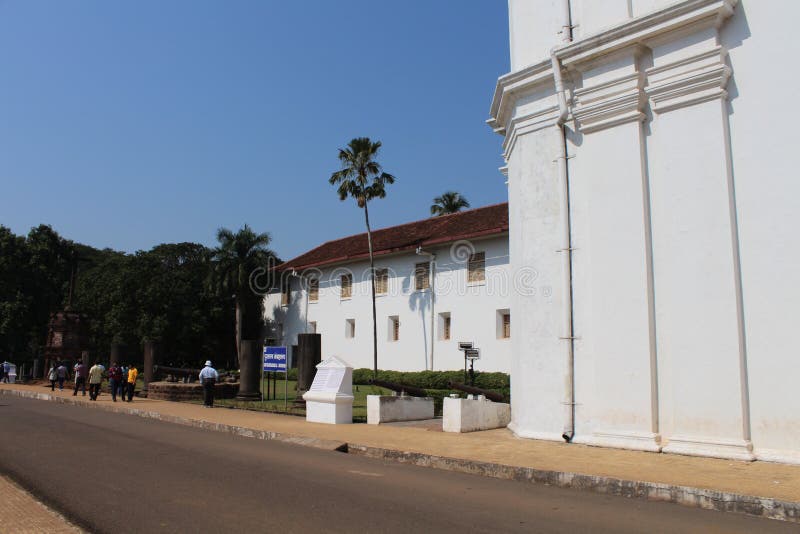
<point x="438" y="281"/>
<point x="653" y="186"/>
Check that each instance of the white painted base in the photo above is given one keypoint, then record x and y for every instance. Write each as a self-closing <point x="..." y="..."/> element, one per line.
<point x="528" y="434"/>
<point x="636" y="441"/>
<point x="715" y="448"/>
<point x="329" y="409"/>
<point x="464" y="415"/>
<point x="385" y="409"/>
<point x="778" y="455"/>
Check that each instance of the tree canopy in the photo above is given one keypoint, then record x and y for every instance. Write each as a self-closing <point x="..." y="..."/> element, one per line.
<point x="238" y="255"/>
<point x="448" y="202"/>
<point x="161" y="294"/>
<point x="361" y="176"/>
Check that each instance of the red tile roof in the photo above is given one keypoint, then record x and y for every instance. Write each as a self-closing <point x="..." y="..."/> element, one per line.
<point x="471" y="224"/>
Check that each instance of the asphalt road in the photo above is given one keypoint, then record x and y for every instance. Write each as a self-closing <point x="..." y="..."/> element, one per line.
<point x="120" y="473"/>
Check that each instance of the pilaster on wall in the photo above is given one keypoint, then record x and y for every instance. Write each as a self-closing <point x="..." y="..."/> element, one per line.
<point x="615" y="354"/>
<point x="704" y="408"/>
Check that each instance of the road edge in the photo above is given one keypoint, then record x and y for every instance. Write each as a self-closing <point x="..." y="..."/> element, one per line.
<point x="722" y="501"/>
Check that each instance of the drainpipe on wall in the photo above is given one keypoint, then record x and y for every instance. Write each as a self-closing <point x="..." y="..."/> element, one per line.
<point x="563" y="170"/>
<point x="308" y="286"/>
<point x="432" y="256"/>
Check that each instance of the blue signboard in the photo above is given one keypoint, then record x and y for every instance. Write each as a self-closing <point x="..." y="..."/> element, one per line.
<point x="275" y="359"/>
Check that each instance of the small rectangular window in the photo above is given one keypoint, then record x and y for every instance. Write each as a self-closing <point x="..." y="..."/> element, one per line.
<point x="347" y="286"/>
<point x="476" y="267"/>
<point x="381" y="281"/>
<point x="394" y="328"/>
<point x="313" y="290"/>
<point x="444" y="326"/>
<point x="503" y="324"/>
<point x="285" y="293"/>
<point x="422" y="276"/>
<point x="350" y="328"/>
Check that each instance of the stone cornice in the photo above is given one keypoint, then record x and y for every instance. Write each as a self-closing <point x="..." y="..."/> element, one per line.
<point x="610" y="103"/>
<point x="514" y="83"/>
<point x="674" y="18"/>
<point x="640" y="30"/>
<point x="529" y="122"/>
<point x="691" y="80"/>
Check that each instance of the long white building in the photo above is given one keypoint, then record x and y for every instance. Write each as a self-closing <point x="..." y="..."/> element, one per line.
<point x="438" y="281"/>
<point x="652" y="184"/>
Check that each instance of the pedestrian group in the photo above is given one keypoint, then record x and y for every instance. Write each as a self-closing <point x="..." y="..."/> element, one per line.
<point x="121" y="379"/>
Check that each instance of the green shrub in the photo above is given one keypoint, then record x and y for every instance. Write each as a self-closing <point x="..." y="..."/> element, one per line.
<point x="438" y="380"/>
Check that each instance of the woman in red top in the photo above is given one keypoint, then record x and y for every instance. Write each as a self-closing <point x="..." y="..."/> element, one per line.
<point x="114" y="379"/>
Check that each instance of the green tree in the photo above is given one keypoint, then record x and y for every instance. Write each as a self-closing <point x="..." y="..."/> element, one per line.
<point x="14" y="302"/>
<point x="34" y="277"/>
<point x="236" y="257"/>
<point x="362" y="179"/>
<point x="108" y="293"/>
<point x="449" y="202"/>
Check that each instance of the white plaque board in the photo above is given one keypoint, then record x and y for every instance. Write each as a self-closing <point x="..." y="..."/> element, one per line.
<point x="330" y="397"/>
<point x="328" y="379"/>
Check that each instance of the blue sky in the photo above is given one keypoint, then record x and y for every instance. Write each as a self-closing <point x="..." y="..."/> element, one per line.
<point x="127" y="124"/>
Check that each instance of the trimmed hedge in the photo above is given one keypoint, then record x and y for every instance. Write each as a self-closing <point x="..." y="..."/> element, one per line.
<point x="435" y="379"/>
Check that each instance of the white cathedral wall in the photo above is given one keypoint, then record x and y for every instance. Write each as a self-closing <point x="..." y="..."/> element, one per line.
<point x="684" y="225"/>
<point x="759" y="37"/>
<point x="473" y="309"/>
<point x="539" y="364"/>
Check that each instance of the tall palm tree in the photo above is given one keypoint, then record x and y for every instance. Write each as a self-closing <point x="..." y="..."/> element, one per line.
<point x="361" y="178"/>
<point x="237" y="255"/>
<point x="449" y="202"/>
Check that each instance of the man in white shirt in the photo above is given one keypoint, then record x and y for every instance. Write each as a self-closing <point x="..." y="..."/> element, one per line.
<point x="95" y="379"/>
<point x="208" y="377"/>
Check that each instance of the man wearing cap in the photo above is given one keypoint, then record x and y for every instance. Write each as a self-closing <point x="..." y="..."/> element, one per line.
<point x="208" y="377"/>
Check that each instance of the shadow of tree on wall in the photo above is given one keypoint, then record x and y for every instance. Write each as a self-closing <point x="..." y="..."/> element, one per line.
<point x="419" y="301"/>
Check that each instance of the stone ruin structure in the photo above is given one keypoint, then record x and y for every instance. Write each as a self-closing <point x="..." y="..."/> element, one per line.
<point x="67" y="338"/>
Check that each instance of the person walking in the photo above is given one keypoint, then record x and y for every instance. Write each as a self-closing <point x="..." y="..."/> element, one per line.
<point x="95" y="379"/>
<point x="132" y="374"/>
<point x="6" y="371"/>
<point x="208" y="377"/>
<point x="52" y="376"/>
<point x="115" y="380"/>
<point x="61" y="375"/>
<point x="123" y="383"/>
<point x="80" y="378"/>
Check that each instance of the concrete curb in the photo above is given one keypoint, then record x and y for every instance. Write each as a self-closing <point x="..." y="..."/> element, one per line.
<point x="721" y="501"/>
<point x="652" y="491"/>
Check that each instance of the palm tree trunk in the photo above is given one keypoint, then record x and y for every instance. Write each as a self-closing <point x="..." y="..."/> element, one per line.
<point x="372" y="282"/>
<point x="239" y="330"/>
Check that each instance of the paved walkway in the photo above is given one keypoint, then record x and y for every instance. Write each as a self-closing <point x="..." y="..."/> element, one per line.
<point x="22" y="513"/>
<point x="758" y="479"/>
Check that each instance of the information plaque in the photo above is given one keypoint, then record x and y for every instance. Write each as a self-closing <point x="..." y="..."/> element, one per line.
<point x="330" y="397"/>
